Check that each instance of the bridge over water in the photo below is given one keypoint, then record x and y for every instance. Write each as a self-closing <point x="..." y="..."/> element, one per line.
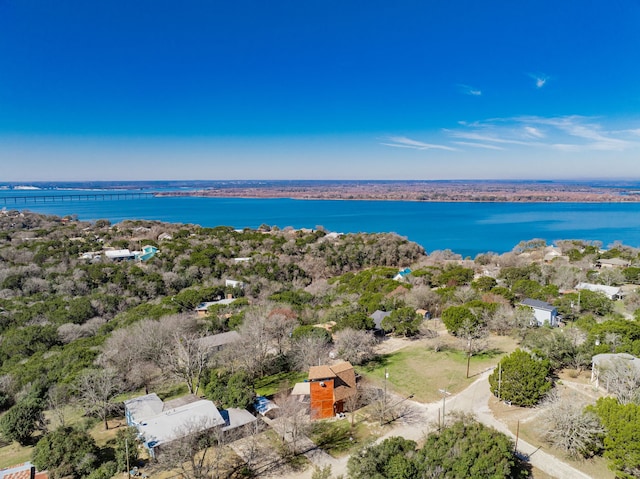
<point x="49" y="198"/>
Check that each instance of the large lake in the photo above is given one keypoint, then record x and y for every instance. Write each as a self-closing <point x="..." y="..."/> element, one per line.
<point x="466" y="228"/>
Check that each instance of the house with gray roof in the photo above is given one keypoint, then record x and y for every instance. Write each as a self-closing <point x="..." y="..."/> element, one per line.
<point x="160" y="423"/>
<point x="543" y="312"/>
<point x="377" y="317"/>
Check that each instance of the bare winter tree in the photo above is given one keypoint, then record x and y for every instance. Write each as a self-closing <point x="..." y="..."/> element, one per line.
<point x="253" y="351"/>
<point x="622" y="379"/>
<point x="465" y="294"/>
<point x="138" y="351"/>
<point x="187" y="360"/>
<point x="199" y="453"/>
<point x="352" y="404"/>
<point x="293" y="420"/>
<point x="473" y="335"/>
<point x="279" y="325"/>
<point x="309" y="351"/>
<point x="355" y="346"/>
<point x="567" y="426"/>
<point x="58" y="396"/>
<point x="96" y="390"/>
<point x="502" y="320"/>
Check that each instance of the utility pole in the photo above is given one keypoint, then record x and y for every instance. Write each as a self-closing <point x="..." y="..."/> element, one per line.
<point x="468" y="355"/>
<point x="126" y="452"/>
<point x="444" y="393"/>
<point x="384" y="397"/>
<point x="499" y="379"/>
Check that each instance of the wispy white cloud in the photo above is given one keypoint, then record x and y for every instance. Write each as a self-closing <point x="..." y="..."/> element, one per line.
<point x="478" y="145"/>
<point x="487" y="138"/>
<point x="585" y="133"/>
<point x="534" y="132"/>
<point x="540" y="79"/>
<point x="469" y="90"/>
<point x="404" y="142"/>
<point x="570" y="133"/>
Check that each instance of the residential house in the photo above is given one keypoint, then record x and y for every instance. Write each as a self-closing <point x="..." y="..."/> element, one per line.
<point x="551" y="253"/>
<point x="601" y="363"/>
<point x="217" y="342"/>
<point x="611" y="292"/>
<point x="203" y="308"/>
<point x="119" y="254"/>
<point x="377" y="317"/>
<point x="160" y="423"/>
<point x="543" y="312"/>
<point x="402" y="275"/>
<point x="233" y="283"/>
<point x="612" y="263"/>
<point x="329" y="388"/>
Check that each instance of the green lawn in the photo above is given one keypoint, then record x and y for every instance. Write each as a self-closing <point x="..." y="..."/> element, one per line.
<point x="13" y="454"/>
<point x="421" y="371"/>
<point x="270" y="385"/>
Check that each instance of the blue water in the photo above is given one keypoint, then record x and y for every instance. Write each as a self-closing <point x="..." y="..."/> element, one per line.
<point x="465" y="228"/>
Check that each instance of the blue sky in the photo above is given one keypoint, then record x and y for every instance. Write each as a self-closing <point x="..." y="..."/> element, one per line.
<point x="319" y="89"/>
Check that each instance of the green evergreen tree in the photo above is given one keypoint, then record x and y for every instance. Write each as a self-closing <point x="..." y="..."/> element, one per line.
<point x="66" y="452"/>
<point x="521" y="378"/>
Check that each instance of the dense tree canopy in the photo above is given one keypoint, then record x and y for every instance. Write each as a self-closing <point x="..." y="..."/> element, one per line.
<point x="22" y="420"/>
<point x="468" y="449"/>
<point x="66" y="452"/>
<point x="622" y="442"/>
<point x="465" y="449"/>
<point x="521" y="378"/>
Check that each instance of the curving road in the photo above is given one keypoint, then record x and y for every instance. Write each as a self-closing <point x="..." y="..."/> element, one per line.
<point x="421" y="419"/>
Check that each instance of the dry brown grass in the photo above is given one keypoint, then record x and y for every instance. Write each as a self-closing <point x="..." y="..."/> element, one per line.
<point x="530" y="427"/>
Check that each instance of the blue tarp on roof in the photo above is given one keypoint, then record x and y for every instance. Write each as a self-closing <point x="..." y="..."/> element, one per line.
<point x="264" y="405"/>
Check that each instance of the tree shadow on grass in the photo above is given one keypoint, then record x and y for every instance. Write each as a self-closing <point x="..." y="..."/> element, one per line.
<point x="334" y="438"/>
<point x="378" y="362"/>
<point x="489" y="353"/>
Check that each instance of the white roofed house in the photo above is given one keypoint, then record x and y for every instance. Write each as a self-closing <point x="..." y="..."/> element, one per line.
<point x="543" y="312"/>
<point x="160" y="423"/>
<point x="203" y="308"/>
<point x="611" y="292"/>
<point x="119" y="254"/>
<point x="232" y="283"/>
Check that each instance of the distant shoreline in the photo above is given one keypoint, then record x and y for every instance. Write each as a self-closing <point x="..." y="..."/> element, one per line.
<point x="441" y="191"/>
<point x="484" y="192"/>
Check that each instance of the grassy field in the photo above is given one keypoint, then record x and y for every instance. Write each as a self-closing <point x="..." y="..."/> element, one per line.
<point x="270" y="385"/>
<point x="418" y="369"/>
<point x="14" y="454"/>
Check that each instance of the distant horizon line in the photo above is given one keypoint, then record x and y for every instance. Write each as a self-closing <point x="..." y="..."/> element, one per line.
<point x="325" y="180"/>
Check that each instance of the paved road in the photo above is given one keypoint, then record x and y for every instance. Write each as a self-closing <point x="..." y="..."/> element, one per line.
<point x="475" y="399"/>
<point x="421" y="419"/>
